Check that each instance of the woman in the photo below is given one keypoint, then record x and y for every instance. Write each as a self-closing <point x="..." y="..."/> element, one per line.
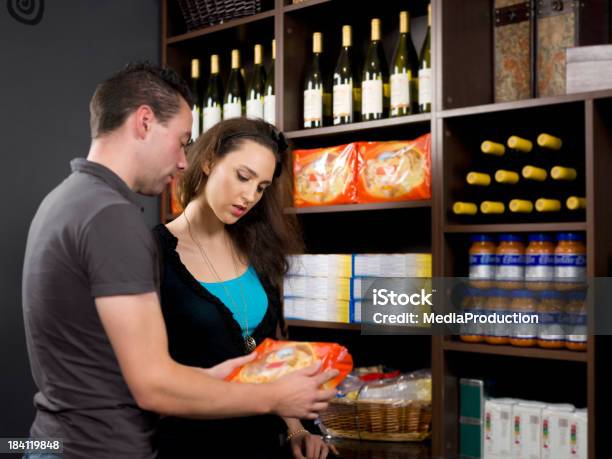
<point x="223" y="260"/>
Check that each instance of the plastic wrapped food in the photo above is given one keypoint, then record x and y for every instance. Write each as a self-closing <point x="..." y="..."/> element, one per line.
<point x="325" y="176"/>
<point x="276" y="359"/>
<point x="390" y="387"/>
<point x="394" y="171"/>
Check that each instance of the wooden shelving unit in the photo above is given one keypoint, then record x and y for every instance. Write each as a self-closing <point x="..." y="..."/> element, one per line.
<point x="463" y="115"/>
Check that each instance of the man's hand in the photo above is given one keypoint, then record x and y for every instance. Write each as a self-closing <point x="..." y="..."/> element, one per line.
<point x="223" y="370"/>
<point x="309" y="446"/>
<point x="299" y="394"/>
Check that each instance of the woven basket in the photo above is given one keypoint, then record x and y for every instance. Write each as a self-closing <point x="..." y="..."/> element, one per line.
<point x="378" y="420"/>
<point x="201" y="13"/>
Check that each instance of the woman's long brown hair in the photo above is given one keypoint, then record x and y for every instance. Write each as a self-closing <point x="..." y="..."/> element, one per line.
<point x="265" y="235"/>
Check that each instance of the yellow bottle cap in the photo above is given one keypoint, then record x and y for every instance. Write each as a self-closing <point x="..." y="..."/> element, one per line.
<point x="492" y="207"/>
<point x="467" y="208"/>
<point x="563" y="173"/>
<point x="520" y="144"/>
<point x="575" y="203"/>
<point x="492" y="148"/>
<point x="503" y="176"/>
<point x="549" y="141"/>
<point x="521" y="205"/>
<point x="478" y="178"/>
<point x="548" y="205"/>
<point x="534" y="173"/>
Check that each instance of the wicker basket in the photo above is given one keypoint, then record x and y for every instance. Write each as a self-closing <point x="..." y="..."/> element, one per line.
<point x="201" y="13"/>
<point x="378" y="420"/>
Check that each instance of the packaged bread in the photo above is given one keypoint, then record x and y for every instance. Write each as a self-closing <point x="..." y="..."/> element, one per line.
<point x="276" y="359"/>
<point x="325" y="176"/>
<point x="394" y="171"/>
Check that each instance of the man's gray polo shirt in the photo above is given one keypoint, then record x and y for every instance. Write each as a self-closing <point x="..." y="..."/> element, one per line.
<point x="88" y="239"/>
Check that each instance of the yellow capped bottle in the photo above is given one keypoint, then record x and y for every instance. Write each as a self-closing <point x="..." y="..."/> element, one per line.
<point x="213" y="99"/>
<point x="519" y="144"/>
<point x="257" y="85"/>
<point x="465" y="208"/>
<point x="404" y="69"/>
<point x="342" y="90"/>
<point x="425" y="69"/>
<point x="504" y="176"/>
<point x="548" y="205"/>
<point x="575" y="203"/>
<point x="233" y="104"/>
<point x="313" y="86"/>
<point x="269" y="93"/>
<point x="520" y="206"/>
<point x="478" y="178"/>
<point x="492" y="148"/>
<point x="549" y="141"/>
<point x="534" y="173"/>
<point x="196" y="112"/>
<point x="563" y="173"/>
<point x="492" y="207"/>
<point x="374" y="79"/>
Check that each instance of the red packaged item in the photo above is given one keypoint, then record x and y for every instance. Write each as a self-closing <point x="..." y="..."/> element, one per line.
<point x="325" y="176"/>
<point x="394" y="171"/>
<point x="275" y="359"/>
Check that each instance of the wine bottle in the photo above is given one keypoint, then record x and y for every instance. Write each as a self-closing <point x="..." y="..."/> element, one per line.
<point x="534" y="173"/>
<point x="374" y="97"/>
<point x="404" y="69"/>
<point x="313" y="86"/>
<point x="519" y="144"/>
<point x="492" y="207"/>
<point x="575" y="203"/>
<point x="196" y="112"/>
<point x="563" y="173"/>
<point x="548" y="205"/>
<point x="425" y="69"/>
<point x="492" y="148"/>
<point x="269" y="94"/>
<point x="214" y="95"/>
<point x="520" y="206"/>
<point x="478" y="178"/>
<point x="465" y="208"/>
<point x="343" y="97"/>
<point x="509" y="177"/>
<point x="255" y="92"/>
<point x="234" y="94"/>
<point x="549" y="141"/>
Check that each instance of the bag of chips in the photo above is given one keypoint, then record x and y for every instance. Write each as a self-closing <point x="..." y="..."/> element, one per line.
<point x="394" y="171"/>
<point x="325" y="176"/>
<point x="276" y="359"/>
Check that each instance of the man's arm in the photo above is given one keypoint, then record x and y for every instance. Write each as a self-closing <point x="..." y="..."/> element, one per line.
<point x="135" y="327"/>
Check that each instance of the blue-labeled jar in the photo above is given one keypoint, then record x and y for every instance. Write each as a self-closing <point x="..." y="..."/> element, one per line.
<point x="482" y="260"/>
<point x="570" y="258"/>
<point x="576" y="320"/>
<point x="524" y="328"/>
<point x="497" y="307"/>
<point x="551" y="311"/>
<point x="539" y="261"/>
<point x="510" y="269"/>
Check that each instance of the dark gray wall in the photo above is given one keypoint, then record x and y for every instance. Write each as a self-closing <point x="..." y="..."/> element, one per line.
<point x="48" y="73"/>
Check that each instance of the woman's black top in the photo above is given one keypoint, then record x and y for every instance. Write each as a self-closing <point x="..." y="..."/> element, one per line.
<point x="202" y="332"/>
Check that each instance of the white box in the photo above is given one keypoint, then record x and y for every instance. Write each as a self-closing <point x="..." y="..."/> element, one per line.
<point x="556" y="420"/>
<point x="589" y="68"/>
<point x="527" y="422"/>
<point x="579" y="434"/>
<point x="498" y="428"/>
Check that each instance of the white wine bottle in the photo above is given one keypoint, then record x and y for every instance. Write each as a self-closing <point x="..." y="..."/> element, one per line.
<point x="313" y="86"/>
<point x="404" y="69"/>
<point x="343" y="82"/>
<point x="213" y="98"/>
<point x="233" y="102"/>
<point x="269" y="94"/>
<point x="255" y="92"/>
<point x="196" y="111"/>
<point x="374" y="95"/>
<point x="425" y="69"/>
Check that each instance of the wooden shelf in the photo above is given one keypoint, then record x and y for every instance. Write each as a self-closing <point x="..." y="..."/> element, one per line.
<point x="362" y="449"/>
<point x="516" y="227"/>
<point x="218" y="27"/>
<point x="513" y="351"/>
<point x="321" y="324"/>
<point x="360" y="126"/>
<point x="359" y="207"/>
<point x="303" y="5"/>
<point x="521" y="104"/>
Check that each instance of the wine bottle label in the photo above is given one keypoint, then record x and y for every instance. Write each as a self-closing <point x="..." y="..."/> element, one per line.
<point x="212" y="115"/>
<point x="371" y="97"/>
<point x="424" y="86"/>
<point x="400" y="90"/>
<point x="232" y="110"/>
<point x="195" y="123"/>
<point x="255" y="108"/>
<point x="343" y="100"/>
<point x="313" y="105"/>
<point x="270" y="109"/>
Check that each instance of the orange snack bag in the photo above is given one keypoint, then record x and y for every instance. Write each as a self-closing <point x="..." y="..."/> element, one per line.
<point x="394" y="171"/>
<point x="278" y="358"/>
<point x="175" y="205"/>
<point x="325" y="176"/>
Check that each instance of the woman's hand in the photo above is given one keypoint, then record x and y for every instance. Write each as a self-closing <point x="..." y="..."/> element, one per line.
<point x="223" y="370"/>
<point x="308" y="446"/>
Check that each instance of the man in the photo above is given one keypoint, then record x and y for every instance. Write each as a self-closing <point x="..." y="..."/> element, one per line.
<point x="94" y="328"/>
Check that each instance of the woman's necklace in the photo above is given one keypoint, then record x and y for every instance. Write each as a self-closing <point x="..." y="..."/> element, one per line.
<point x="249" y="341"/>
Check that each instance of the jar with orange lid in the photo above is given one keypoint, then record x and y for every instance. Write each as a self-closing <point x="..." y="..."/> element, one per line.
<point x="551" y="308"/>
<point x="539" y="262"/>
<point x="472" y="303"/>
<point x="510" y="257"/>
<point x="482" y="260"/>
<point x="497" y="306"/>
<point x="570" y="260"/>
<point x="522" y="332"/>
<point x="576" y="313"/>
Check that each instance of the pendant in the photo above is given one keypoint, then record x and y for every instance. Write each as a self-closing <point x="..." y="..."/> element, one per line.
<point x="250" y="344"/>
